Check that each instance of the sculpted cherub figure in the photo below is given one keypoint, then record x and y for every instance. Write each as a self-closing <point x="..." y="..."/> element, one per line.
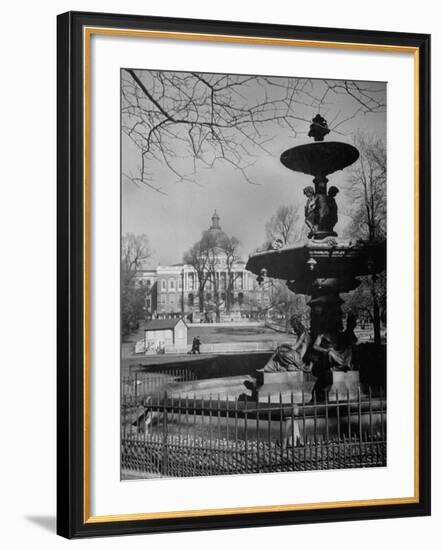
<point x="310" y="210"/>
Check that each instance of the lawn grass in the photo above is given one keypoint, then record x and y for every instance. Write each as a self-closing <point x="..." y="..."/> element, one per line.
<point x="223" y="334"/>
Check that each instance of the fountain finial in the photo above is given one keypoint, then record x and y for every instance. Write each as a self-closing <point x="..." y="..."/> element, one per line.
<point x="318" y="128"/>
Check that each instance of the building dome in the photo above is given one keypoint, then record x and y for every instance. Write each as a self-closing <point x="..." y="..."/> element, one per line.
<point x="215" y="229"/>
<point x="215" y="222"/>
<point x="217" y="237"/>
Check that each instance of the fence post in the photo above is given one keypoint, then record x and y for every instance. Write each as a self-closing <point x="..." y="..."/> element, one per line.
<point x="360" y="423"/>
<point x="210" y="418"/>
<point x="235" y="461"/>
<point x="165" y="457"/>
<point x="269" y="429"/>
<point x="246" y="445"/>
<point x="227" y="418"/>
<point x="292" y="404"/>
<point x="281" y="434"/>
<point x="258" y="457"/>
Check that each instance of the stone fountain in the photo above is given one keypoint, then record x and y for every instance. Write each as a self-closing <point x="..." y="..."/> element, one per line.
<point x="324" y="266"/>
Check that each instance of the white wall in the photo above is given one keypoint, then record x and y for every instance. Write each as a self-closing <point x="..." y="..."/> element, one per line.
<point x="27" y="218"/>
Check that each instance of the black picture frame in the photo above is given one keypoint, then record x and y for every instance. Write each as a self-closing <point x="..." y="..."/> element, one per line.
<point x="72" y="520"/>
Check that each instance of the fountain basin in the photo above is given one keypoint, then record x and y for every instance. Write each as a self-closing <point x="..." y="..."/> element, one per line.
<point x="332" y="260"/>
<point x="320" y="158"/>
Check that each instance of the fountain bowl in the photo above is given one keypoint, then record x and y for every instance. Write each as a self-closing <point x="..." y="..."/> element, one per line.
<point x="320" y="158"/>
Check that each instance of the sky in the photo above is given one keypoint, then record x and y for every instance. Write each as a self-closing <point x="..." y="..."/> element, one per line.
<point x="173" y="221"/>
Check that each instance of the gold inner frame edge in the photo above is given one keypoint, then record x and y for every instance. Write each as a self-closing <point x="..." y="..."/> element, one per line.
<point x="87" y="33"/>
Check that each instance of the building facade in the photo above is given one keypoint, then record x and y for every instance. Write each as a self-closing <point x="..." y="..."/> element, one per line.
<point x="174" y="290"/>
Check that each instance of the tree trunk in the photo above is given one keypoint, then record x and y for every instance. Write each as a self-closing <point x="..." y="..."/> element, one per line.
<point x="201" y="299"/>
<point x="229" y="297"/>
<point x="217" y="307"/>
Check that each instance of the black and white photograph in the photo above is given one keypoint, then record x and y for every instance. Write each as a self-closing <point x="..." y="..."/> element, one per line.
<point x="253" y="274"/>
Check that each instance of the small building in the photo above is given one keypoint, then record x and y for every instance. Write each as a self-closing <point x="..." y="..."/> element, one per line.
<point x="169" y="335"/>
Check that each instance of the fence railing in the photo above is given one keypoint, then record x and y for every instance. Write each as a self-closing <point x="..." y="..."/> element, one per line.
<point x="140" y="385"/>
<point x="182" y="436"/>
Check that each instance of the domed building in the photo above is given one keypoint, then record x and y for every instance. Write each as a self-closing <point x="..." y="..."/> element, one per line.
<point x="230" y="292"/>
<point x="215" y="223"/>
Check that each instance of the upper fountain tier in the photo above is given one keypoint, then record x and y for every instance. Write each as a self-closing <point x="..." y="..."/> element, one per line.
<point x="319" y="159"/>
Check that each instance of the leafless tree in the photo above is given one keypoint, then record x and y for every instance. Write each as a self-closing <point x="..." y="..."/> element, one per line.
<point x="370" y="298"/>
<point x="198" y="258"/>
<point x="185" y="121"/>
<point x="210" y="242"/>
<point x="367" y="189"/>
<point x="286" y="225"/>
<point x="229" y="248"/>
<point x="214" y="252"/>
<point x="134" y="251"/>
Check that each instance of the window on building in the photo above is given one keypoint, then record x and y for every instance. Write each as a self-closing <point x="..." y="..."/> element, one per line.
<point x="191" y="299"/>
<point x="240" y="298"/>
<point x="171" y="284"/>
<point x="171" y="299"/>
<point x="163" y="300"/>
<point x="163" y="285"/>
<point x="180" y="283"/>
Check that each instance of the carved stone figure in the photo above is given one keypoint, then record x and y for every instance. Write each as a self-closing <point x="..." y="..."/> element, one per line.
<point x="347" y="339"/>
<point x="321" y="211"/>
<point x="310" y="210"/>
<point x="327" y="210"/>
<point x="333" y="207"/>
<point x="336" y="349"/>
<point x="290" y="357"/>
<point x="276" y="244"/>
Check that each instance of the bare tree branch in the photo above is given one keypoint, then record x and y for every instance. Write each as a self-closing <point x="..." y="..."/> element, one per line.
<point x="185" y="121"/>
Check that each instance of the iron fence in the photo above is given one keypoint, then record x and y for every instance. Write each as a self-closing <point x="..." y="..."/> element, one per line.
<point x="140" y="385"/>
<point x="177" y="436"/>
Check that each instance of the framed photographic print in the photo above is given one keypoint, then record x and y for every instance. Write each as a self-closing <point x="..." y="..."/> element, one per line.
<point x="243" y="274"/>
